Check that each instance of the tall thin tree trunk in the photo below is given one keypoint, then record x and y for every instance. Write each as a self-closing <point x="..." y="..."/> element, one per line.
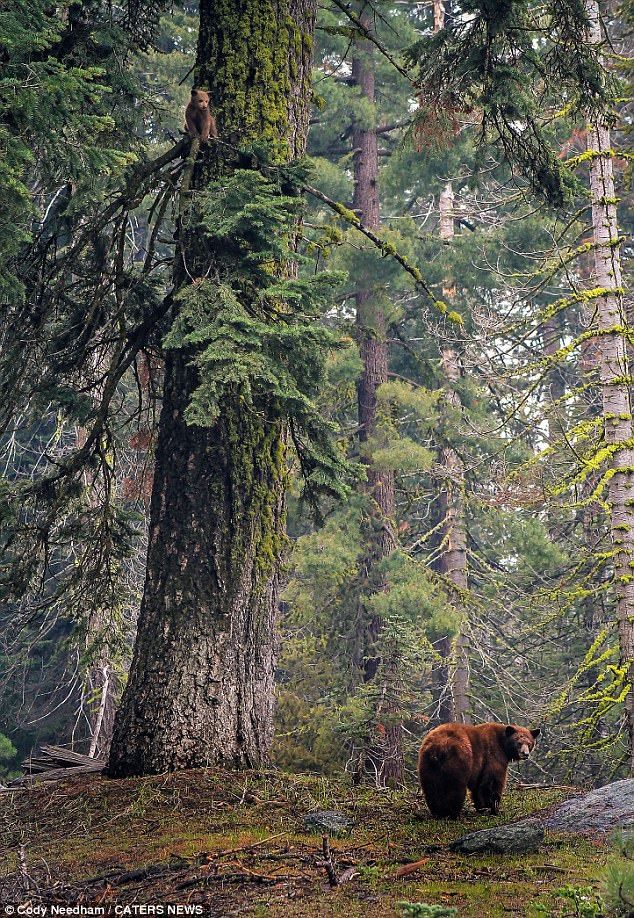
<point x="556" y="388"/>
<point x="453" y="560"/>
<point x="100" y="681"/>
<point x="371" y="328"/>
<point x="616" y="386"/>
<point x="200" y="689"/>
<point x="370" y="317"/>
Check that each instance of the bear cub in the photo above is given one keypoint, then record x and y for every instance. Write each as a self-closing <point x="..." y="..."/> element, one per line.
<point x="454" y="758"/>
<point x="199" y="120"/>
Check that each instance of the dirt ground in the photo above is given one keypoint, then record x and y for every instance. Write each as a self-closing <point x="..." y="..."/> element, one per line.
<point x="235" y="845"/>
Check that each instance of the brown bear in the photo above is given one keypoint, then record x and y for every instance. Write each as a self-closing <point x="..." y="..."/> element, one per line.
<point x="457" y="757"/>
<point x="199" y="120"/>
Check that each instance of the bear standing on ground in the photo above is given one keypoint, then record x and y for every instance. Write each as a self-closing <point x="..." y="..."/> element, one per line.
<point x="457" y="757"/>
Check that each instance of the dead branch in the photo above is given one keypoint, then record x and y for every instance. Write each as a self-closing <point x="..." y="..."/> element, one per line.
<point x="406" y="869"/>
<point x="327" y="862"/>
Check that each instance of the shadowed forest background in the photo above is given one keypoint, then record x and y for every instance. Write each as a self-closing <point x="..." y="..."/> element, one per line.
<point x="399" y="363"/>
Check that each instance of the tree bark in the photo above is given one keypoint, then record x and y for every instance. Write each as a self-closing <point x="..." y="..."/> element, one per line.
<point x="453" y="560"/>
<point x="371" y="326"/>
<point x="372" y="334"/>
<point x="200" y="690"/>
<point x="555" y="382"/>
<point x="454" y="704"/>
<point x="616" y="385"/>
<point x="100" y="681"/>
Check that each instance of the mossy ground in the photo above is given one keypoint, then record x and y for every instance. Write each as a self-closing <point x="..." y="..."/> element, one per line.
<point x="235" y="842"/>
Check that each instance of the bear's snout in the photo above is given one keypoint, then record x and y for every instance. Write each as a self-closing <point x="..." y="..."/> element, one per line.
<point x="525" y="751"/>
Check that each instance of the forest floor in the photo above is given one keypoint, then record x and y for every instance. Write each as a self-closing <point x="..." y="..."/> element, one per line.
<point x="236" y="843"/>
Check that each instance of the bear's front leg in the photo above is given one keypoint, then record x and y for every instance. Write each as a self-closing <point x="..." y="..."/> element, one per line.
<point x="479" y="801"/>
<point x="488" y="793"/>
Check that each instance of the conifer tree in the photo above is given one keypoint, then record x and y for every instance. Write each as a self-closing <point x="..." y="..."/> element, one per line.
<point x="453" y="560"/>
<point x="200" y="689"/>
<point x="238" y="328"/>
<point x="613" y="329"/>
<point x="501" y="59"/>
<point x="374" y="352"/>
<point x="68" y="127"/>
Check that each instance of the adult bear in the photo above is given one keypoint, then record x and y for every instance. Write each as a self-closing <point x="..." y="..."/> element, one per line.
<point x="457" y="757"/>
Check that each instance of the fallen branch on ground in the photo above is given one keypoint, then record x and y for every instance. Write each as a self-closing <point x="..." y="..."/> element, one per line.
<point x="406" y="869"/>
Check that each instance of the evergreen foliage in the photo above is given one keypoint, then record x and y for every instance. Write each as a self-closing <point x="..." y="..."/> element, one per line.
<point x="91" y="191"/>
<point x="504" y="65"/>
<point x="253" y="328"/>
<point x="8" y="756"/>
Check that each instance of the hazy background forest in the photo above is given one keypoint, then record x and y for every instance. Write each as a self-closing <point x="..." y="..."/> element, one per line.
<point x="454" y="556"/>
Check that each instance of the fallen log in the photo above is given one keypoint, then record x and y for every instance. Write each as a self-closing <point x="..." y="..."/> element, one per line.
<point x="56" y="774"/>
<point x="54" y="763"/>
<point x="48" y="757"/>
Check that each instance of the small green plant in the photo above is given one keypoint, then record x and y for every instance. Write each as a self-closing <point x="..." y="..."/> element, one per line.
<point x="8" y="758"/>
<point x="371" y="874"/>
<point x="582" y="902"/>
<point x="423" y="910"/>
<point x="619" y="877"/>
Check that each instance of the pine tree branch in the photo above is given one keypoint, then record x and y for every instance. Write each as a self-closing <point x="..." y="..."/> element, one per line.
<point x="387" y="248"/>
<point x="369" y="35"/>
<point x="387" y="128"/>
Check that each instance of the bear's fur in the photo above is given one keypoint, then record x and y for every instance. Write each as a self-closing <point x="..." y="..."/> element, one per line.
<point x="199" y="120"/>
<point x="457" y="757"/>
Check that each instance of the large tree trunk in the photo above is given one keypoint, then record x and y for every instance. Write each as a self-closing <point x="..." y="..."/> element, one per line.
<point x="200" y="690"/>
<point x="615" y="380"/>
<point x="371" y="329"/>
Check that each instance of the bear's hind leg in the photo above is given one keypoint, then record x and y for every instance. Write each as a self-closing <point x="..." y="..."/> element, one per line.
<point x="449" y="802"/>
<point x="455" y="800"/>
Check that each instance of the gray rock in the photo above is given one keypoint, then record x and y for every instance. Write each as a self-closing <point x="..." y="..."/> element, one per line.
<point x="327" y="822"/>
<point x="518" y="838"/>
<point x="602" y="810"/>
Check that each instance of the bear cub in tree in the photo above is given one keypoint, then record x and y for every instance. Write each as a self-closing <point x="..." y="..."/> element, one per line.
<point x="199" y="121"/>
<point x="455" y="758"/>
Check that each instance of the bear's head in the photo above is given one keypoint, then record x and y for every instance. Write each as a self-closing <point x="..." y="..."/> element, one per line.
<point x="519" y="742"/>
<point x="200" y="99"/>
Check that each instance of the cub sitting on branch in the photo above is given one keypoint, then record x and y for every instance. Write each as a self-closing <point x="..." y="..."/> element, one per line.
<point x="457" y="757"/>
<point x="199" y="121"/>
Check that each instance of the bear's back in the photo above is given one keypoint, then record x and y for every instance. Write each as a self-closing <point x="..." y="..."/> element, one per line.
<point x="448" y="743"/>
<point x="462" y="745"/>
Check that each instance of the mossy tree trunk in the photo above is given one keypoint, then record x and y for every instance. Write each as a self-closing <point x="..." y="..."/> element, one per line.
<point x="200" y="690"/>
<point x="613" y="330"/>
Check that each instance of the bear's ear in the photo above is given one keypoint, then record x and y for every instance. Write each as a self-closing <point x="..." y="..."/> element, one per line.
<point x="509" y="730"/>
<point x="535" y="733"/>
